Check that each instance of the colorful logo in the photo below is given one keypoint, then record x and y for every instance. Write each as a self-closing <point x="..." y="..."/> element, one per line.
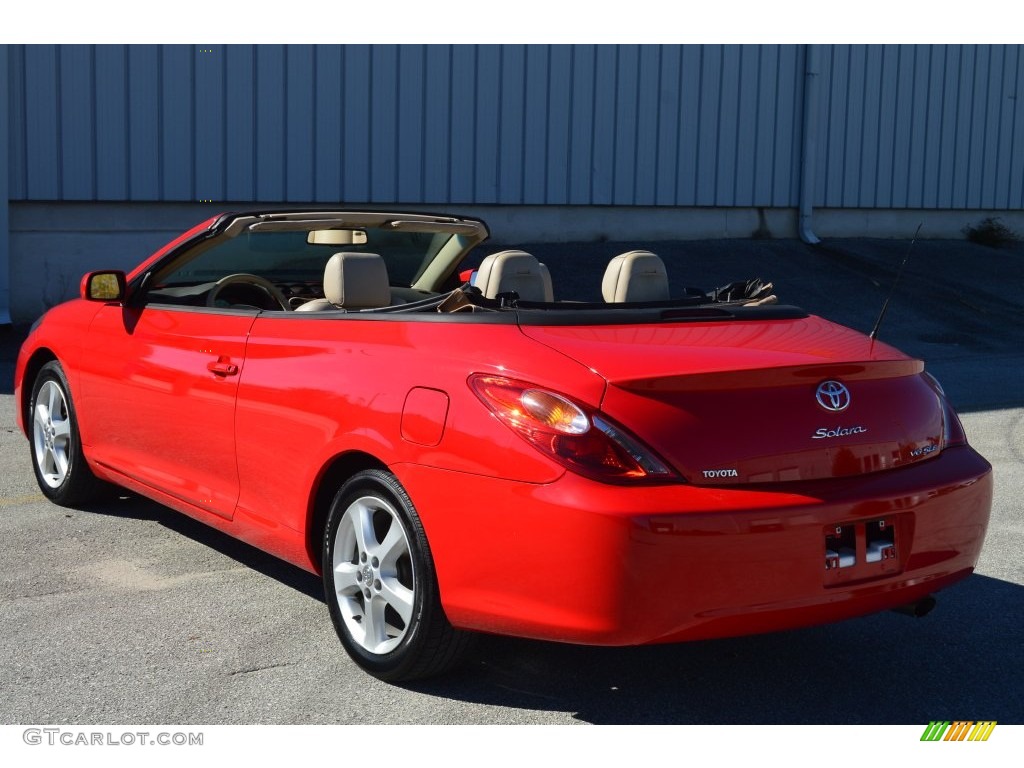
<point x="958" y="730"/>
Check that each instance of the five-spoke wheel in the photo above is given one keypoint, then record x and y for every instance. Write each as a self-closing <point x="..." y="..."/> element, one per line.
<point x="380" y="583"/>
<point x="51" y="434"/>
<point x="374" y="580"/>
<point x="60" y="467"/>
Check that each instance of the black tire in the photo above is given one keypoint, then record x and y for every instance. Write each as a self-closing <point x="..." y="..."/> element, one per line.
<point x="390" y="570"/>
<point x="61" y="471"/>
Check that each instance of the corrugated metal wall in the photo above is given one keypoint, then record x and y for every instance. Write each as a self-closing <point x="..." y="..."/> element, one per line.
<point x="5" y="240"/>
<point x="626" y="125"/>
<point x="899" y="126"/>
<point x="929" y="126"/>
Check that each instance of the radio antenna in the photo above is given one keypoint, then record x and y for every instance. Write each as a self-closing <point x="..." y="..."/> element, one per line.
<point x="874" y="331"/>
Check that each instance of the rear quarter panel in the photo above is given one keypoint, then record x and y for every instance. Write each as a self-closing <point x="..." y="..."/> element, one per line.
<point x="316" y="388"/>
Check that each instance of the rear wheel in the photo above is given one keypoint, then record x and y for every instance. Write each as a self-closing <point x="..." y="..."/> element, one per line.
<point x="381" y="586"/>
<point x="57" y="458"/>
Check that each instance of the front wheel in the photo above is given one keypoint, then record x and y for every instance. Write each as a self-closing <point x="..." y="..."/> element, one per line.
<point x="57" y="458"/>
<point x="381" y="586"/>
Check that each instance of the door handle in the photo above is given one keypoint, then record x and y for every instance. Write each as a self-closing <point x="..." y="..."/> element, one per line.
<point x="222" y="367"/>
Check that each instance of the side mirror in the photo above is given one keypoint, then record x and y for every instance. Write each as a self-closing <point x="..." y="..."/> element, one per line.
<point x="108" y="285"/>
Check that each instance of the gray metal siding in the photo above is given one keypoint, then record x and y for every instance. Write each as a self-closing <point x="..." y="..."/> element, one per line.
<point x="5" y="240"/>
<point x="899" y="126"/>
<point x="922" y="126"/>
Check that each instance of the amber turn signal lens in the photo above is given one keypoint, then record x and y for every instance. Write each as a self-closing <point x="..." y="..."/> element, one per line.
<point x="583" y="441"/>
<point x="555" y="412"/>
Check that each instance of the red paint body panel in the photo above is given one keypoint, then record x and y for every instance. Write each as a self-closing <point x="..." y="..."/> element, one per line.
<point x="599" y="565"/>
<point x="640" y="353"/>
<point x="314" y="389"/>
<point x="233" y="416"/>
<point x="65" y="328"/>
<point x="708" y="397"/>
<point x="424" y="415"/>
<point x="739" y="428"/>
<point x="165" y="414"/>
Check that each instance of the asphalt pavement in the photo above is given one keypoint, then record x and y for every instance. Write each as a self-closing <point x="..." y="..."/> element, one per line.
<point x="128" y="612"/>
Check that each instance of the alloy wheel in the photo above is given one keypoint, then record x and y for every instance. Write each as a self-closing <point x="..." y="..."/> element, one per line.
<point x="374" y="580"/>
<point x="51" y="434"/>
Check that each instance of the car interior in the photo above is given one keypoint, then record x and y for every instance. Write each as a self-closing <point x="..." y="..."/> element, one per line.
<point x="308" y="263"/>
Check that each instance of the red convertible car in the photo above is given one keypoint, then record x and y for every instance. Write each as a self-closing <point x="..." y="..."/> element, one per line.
<point x="460" y="456"/>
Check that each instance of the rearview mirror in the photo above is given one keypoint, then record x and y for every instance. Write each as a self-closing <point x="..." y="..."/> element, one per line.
<point x="108" y="285"/>
<point x="336" y="237"/>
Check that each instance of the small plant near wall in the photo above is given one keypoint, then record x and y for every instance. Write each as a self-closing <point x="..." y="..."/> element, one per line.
<point x="991" y="232"/>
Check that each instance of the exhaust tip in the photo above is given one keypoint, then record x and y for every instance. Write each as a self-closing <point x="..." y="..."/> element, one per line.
<point x="919" y="608"/>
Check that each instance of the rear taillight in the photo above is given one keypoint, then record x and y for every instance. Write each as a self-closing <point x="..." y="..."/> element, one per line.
<point x="577" y="438"/>
<point x="952" y="430"/>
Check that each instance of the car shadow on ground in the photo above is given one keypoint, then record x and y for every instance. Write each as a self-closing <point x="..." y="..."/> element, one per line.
<point x="960" y="662"/>
<point x="128" y="505"/>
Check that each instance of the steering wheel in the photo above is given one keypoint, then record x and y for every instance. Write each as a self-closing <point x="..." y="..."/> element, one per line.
<point x="263" y="285"/>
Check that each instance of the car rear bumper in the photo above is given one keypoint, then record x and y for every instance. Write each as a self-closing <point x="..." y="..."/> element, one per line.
<point x="578" y="561"/>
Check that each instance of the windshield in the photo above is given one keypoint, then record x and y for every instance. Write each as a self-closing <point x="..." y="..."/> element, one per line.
<point x="289" y="257"/>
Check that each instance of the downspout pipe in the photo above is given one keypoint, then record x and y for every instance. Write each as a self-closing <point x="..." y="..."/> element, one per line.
<point x="809" y="149"/>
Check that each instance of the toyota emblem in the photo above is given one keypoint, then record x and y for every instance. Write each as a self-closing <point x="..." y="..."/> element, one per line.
<point x="833" y="396"/>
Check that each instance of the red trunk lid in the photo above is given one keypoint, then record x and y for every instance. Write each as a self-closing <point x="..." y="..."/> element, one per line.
<point x="762" y="400"/>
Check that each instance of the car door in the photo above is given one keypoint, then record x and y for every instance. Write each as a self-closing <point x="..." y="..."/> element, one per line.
<point x="160" y="383"/>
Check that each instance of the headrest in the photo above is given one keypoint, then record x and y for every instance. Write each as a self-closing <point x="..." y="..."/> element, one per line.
<point x="517" y="271"/>
<point x="635" y="276"/>
<point x="357" y="281"/>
